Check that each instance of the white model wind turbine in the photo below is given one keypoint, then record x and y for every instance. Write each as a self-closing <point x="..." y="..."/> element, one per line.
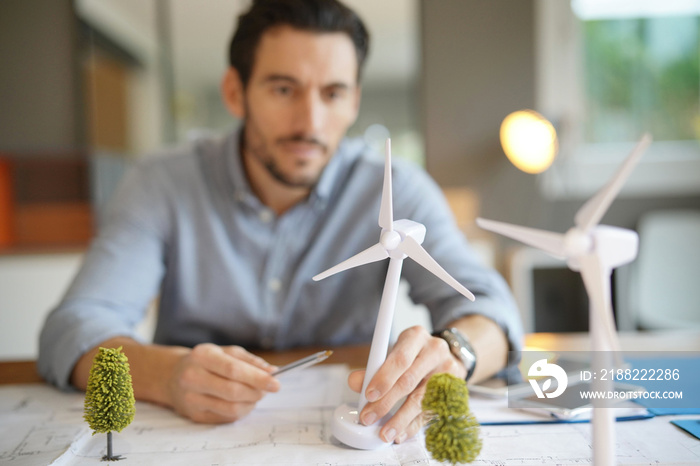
<point x="594" y="250"/>
<point x="398" y="239"/>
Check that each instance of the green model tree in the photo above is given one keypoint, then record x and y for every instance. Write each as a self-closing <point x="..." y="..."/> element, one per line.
<point x="109" y="398"/>
<point x="453" y="431"/>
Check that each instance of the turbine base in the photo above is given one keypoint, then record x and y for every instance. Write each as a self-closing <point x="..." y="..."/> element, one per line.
<point x="347" y="428"/>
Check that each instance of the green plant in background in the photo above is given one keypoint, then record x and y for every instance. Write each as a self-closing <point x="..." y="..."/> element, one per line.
<point x="453" y="431"/>
<point x="109" y="398"/>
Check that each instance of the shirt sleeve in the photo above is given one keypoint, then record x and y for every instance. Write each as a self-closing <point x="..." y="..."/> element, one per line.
<point x="116" y="282"/>
<point x="424" y="202"/>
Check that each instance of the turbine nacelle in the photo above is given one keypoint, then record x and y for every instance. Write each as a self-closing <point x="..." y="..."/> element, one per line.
<point x="391" y="239"/>
<point x="615" y="246"/>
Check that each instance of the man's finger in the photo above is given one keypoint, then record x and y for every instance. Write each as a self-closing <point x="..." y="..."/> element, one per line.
<point x="243" y="354"/>
<point x="429" y="358"/>
<point x="214" y="359"/>
<point x="205" y="408"/>
<point x="196" y="378"/>
<point x="355" y="380"/>
<point x="413" y="428"/>
<point x="401" y="357"/>
<point x="232" y="391"/>
<point x="400" y="422"/>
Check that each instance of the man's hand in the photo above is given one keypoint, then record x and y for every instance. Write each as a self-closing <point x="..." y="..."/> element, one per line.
<point x="215" y="384"/>
<point x="415" y="357"/>
<point x="208" y="383"/>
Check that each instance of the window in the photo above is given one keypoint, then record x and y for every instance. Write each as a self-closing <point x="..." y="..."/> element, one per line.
<point x="610" y="71"/>
<point x="641" y="73"/>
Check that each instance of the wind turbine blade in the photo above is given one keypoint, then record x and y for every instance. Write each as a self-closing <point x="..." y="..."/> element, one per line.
<point x="550" y="242"/>
<point x="372" y="254"/>
<point x="592" y="211"/>
<point x="596" y="278"/>
<point x="415" y="251"/>
<point x="386" y="211"/>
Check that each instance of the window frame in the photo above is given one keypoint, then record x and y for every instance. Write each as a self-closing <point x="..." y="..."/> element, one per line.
<point x="668" y="168"/>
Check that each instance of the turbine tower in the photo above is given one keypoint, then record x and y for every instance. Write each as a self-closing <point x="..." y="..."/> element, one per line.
<point x="398" y="239"/>
<point x="594" y="250"/>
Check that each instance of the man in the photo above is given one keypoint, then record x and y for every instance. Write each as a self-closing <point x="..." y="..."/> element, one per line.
<point x="230" y="232"/>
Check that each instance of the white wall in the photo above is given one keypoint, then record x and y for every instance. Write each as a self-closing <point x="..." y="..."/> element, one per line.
<point x="30" y="285"/>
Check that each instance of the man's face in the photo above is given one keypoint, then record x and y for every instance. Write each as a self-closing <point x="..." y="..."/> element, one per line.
<point x="301" y="98"/>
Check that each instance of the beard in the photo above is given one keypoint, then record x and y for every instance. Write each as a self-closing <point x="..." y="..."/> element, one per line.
<point x="257" y="146"/>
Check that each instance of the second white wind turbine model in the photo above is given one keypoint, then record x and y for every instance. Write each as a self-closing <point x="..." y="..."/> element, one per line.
<point x="594" y="250"/>
<point x="398" y="239"/>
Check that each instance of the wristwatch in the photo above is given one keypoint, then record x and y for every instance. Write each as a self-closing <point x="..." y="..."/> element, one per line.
<point x="460" y="348"/>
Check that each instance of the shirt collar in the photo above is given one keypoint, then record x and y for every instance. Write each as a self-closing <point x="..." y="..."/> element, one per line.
<point x="241" y="186"/>
<point x="348" y="150"/>
<point x="329" y="177"/>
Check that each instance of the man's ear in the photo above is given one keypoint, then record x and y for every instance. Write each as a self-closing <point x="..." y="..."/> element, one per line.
<point x="232" y="93"/>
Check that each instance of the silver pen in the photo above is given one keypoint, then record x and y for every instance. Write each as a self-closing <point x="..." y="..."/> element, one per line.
<point x="304" y="362"/>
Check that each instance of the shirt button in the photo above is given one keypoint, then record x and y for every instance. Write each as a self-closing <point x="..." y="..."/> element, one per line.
<point x="274" y="284"/>
<point x="265" y="216"/>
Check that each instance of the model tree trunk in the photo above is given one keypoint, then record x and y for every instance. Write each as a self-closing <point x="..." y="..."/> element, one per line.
<point x="109" y="456"/>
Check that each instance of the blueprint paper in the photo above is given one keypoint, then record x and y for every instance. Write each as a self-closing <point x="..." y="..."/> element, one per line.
<point x="40" y="425"/>
<point x="270" y="437"/>
<point x="314" y="387"/>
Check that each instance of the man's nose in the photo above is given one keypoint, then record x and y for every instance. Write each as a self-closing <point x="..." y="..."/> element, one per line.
<point x="310" y="113"/>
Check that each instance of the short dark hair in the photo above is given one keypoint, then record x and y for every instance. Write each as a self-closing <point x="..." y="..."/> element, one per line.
<point x="306" y="15"/>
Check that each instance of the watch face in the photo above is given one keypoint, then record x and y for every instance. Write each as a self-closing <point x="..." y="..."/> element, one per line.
<point x="461" y="348"/>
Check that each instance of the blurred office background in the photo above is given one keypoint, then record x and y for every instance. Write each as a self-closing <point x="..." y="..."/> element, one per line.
<point x="89" y="86"/>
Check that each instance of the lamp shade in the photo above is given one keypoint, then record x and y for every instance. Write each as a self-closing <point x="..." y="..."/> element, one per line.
<point x="529" y="141"/>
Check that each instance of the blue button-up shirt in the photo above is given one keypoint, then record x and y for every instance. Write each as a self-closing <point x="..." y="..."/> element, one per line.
<point x="228" y="270"/>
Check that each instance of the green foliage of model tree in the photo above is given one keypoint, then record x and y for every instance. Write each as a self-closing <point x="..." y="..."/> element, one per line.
<point x="109" y="398"/>
<point x="453" y="431"/>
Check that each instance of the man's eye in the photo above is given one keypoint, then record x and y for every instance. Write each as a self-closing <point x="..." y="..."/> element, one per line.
<point x="283" y="90"/>
<point x="335" y="94"/>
